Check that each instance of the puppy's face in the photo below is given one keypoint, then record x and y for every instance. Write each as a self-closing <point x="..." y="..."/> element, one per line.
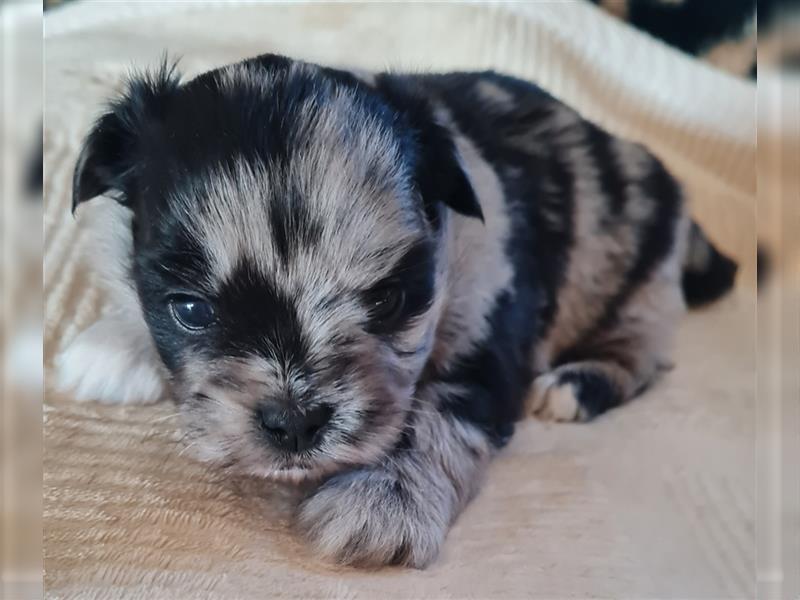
<point x="287" y="266"/>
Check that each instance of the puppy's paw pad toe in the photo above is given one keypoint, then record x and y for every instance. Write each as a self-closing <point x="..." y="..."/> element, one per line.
<point x="554" y="401"/>
<point x="541" y="388"/>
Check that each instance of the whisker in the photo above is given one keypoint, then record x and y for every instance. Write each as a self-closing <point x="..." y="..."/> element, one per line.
<point x="165" y="418"/>
<point x="185" y="448"/>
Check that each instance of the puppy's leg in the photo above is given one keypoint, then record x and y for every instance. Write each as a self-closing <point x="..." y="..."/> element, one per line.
<point x="399" y="511"/>
<point x="113" y="361"/>
<point x="615" y="362"/>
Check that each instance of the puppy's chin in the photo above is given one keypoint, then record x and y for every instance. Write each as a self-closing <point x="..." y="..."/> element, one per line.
<point x="293" y="475"/>
<point x="300" y="475"/>
<point x="286" y="472"/>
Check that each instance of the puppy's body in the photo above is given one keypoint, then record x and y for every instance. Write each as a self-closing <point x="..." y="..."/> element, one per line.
<point x="362" y="279"/>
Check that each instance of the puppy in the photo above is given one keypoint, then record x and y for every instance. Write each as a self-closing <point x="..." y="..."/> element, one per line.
<point x="365" y="280"/>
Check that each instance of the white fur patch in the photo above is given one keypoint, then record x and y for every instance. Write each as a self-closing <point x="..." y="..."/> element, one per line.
<point x="114" y="362"/>
<point x="552" y="401"/>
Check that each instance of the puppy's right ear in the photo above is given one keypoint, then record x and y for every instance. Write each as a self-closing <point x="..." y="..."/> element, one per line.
<point x="107" y="161"/>
<point x="102" y="162"/>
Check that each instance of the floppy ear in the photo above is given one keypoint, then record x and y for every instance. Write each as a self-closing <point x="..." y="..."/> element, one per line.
<point x="102" y="162"/>
<point x="107" y="159"/>
<point x="439" y="171"/>
<point x="441" y="175"/>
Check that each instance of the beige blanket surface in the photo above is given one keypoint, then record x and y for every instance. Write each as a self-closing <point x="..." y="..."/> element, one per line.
<point x="653" y="500"/>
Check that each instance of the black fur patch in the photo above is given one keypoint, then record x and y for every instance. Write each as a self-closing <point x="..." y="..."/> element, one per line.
<point x="414" y="276"/>
<point x="108" y="158"/>
<point x="594" y="392"/>
<point x="293" y="225"/>
<point x="496" y="377"/>
<point x="259" y="317"/>
<point x="703" y="287"/>
<point x="612" y="181"/>
<point x="694" y="25"/>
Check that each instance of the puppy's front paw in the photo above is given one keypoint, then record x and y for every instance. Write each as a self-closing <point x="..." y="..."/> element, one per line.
<point x="109" y="363"/>
<point x="578" y="391"/>
<point x="370" y="518"/>
<point x="554" y="400"/>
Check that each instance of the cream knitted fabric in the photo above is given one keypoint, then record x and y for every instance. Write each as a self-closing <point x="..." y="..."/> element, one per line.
<point x="654" y="500"/>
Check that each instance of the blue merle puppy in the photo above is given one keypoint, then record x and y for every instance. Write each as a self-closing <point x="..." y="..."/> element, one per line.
<point x="363" y="280"/>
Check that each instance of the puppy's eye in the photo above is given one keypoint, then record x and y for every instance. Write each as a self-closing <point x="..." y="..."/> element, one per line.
<point x="191" y="312"/>
<point x="387" y="304"/>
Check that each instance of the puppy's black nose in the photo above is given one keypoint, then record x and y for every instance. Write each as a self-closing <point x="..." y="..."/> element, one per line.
<point x="291" y="429"/>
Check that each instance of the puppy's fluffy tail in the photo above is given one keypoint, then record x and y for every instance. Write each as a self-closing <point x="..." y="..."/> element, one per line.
<point x="707" y="273"/>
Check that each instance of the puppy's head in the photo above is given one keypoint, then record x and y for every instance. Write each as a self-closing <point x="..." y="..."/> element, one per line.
<point x="287" y="227"/>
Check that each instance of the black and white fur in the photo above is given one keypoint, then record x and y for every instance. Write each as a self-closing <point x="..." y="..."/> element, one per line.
<point x="539" y="261"/>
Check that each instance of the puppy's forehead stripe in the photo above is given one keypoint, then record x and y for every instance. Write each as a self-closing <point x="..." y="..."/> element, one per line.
<point x="250" y="213"/>
<point x="293" y="224"/>
<point x="337" y="175"/>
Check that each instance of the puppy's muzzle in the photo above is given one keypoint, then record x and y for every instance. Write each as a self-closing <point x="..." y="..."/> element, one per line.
<point x="292" y="429"/>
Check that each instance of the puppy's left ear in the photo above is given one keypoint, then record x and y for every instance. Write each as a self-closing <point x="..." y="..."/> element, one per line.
<point x="439" y="170"/>
<point x="441" y="175"/>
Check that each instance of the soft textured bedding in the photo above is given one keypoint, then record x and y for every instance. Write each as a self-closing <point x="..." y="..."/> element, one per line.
<point x="653" y="500"/>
